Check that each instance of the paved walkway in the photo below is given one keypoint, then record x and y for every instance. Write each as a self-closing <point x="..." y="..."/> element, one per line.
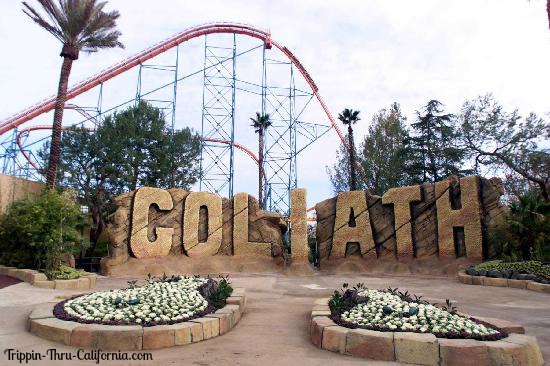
<point x="274" y="330"/>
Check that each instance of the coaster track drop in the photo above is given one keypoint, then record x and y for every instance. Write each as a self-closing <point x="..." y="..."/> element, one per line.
<point x="218" y="138"/>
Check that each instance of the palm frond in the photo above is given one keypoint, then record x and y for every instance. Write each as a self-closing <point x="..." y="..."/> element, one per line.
<point x="37" y="18"/>
<point x="109" y="40"/>
<point x="78" y="23"/>
<point x="349" y="116"/>
<point x="261" y="122"/>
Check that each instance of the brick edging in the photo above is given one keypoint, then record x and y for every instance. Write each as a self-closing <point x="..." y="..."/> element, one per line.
<point x="422" y="348"/>
<point x="43" y="323"/>
<point x="38" y="279"/>
<point x="502" y="282"/>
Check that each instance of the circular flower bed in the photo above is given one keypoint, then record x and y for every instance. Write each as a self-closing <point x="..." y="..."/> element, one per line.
<point x="160" y="301"/>
<point x="394" y="311"/>
<point x="526" y="270"/>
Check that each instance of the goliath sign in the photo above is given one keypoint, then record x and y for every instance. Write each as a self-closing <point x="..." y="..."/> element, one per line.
<point x="155" y="230"/>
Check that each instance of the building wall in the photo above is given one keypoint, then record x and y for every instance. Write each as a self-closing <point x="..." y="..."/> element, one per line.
<point x="13" y="189"/>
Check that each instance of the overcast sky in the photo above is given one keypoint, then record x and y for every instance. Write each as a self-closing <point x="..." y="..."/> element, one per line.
<point x="362" y="54"/>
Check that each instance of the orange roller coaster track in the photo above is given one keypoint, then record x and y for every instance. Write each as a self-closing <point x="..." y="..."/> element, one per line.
<point x="48" y="104"/>
<point x="188" y="34"/>
<point x="27" y="130"/>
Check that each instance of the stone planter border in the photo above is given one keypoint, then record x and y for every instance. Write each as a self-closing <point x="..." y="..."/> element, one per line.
<point x="423" y="348"/>
<point x="43" y="323"/>
<point x="38" y="279"/>
<point x="465" y="278"/>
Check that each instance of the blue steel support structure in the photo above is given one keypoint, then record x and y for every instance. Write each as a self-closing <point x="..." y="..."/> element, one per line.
<point x="217" y="165"/>
<point x="280" y="97"/>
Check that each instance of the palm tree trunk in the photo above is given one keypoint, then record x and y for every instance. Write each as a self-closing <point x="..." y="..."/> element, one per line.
<point x="353" y="181"/>
<point x="55" y="147"/>
<point x="260" y="167"/>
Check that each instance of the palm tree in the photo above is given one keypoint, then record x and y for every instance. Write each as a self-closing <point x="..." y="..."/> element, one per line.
<point x="349" y="117"/>
<point x="260" y="124"/>
<point x="81" y="25"/>
<point x="528" y="220"/>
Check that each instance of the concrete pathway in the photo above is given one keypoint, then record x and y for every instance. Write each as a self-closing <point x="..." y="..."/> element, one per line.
<point x="274" y="330"/>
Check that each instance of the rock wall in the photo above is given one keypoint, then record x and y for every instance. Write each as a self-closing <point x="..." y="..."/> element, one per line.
<point x="428" y="232"/>
<point x="429" y="228"/>
<point x="13" y="189"/>
<point x="263" y="227"/>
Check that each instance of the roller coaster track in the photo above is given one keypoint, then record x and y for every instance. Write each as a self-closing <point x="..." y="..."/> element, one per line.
<point x="188" y="34"/>
<point x="26" y="131"/>
<point x="157" y="49"/>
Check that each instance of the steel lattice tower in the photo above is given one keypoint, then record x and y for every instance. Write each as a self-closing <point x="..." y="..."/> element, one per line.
<point x="218" y="119"/>
<point x="279" y="83"/>
<point x="280" y="139"/>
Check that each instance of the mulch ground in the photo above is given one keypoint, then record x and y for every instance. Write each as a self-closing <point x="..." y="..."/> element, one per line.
<point x="6" y="281"/>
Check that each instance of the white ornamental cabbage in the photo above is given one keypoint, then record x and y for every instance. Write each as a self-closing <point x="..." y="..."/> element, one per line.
<point x="157" y="301"/>
<point x="425" y="318"/>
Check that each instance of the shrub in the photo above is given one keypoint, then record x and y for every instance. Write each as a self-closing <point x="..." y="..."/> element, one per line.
<point x="64" y="272"/>
<point x="346" y="299"/>
<point x="530" y="267"/>
<point x="524" y="234"/>
<point x="222" y="291"/>
<point x="36" y="233"/>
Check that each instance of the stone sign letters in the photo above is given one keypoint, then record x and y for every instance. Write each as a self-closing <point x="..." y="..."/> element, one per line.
<point x="446" y="219"/>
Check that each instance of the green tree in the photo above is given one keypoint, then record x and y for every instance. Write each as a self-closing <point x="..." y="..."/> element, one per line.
<point x="529" y="220"/>
<point x="349" y="117"/>
<point x="85" y="169"/>
<point x="144" y="152"/>
<point x="502" y="140"/>
<point x="79" y="25"/>
<point x="515" y="186"/>
<point x="524" y="234"/>
<point x="386" y="151"/>
<point x="130" y="149"/>
<point x="339" y="174"/>
<point x="434" y="145"/>
<point x="260" y="124"/>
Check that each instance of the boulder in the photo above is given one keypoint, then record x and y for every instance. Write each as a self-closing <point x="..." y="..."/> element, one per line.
<point x="68" y="260"/>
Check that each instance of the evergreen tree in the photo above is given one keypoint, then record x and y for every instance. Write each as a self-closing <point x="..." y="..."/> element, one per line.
<point x="386" y="151"/>
<point x="339" y="174"/>
<point x="435" y="145"/>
